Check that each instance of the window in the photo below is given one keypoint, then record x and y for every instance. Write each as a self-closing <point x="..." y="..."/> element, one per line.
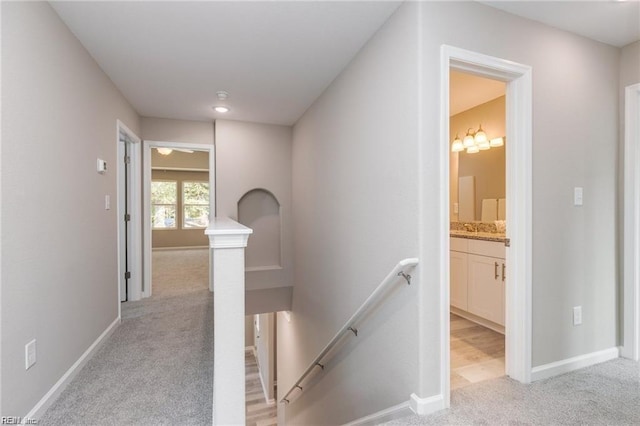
<point x="195" y="204"/>
<point x="164" y="197"/>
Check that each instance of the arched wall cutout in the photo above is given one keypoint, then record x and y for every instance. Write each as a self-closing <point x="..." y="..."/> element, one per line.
<point x="259" y="209"/>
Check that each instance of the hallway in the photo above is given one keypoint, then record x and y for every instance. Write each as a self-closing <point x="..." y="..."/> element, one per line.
<point x="157" y="367"/>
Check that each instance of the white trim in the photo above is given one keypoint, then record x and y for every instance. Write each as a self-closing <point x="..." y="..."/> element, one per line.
<point x="631" y="302"/>
<point x="146" y="202"/>
<point x="38" y="411"/>
<point x="423" y="406"/>
<point x="478" y="320"/>
<point x="265" y="392"/>
<point x="135" y="210"/>
<point x="519" y="207"/>
<point x="262" y="268"/>
<point x="179" y="248"/>
<point x="570" y="364"/>
<point x="388" y="414"/>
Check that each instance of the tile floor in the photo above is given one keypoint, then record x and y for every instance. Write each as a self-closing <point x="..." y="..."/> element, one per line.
<point x="477" y="353"/>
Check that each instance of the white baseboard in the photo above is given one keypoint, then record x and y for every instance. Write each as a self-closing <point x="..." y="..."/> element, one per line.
<point x="264" y="389"/>
<point x="478" y="320"/>
<point x="38" y="411"/>
<point x="422" y="406"/>
<point x="575" y="363"/>
<point x="385" y="415"/>
<point x="179" y="248"/>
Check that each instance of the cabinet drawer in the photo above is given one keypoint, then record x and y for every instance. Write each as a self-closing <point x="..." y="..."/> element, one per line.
<point x="486" y="248"/>
<point x="459" y="244"/>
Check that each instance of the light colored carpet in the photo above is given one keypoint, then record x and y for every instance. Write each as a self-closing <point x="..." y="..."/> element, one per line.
<point x="604" y="394"/>
<point x="157" y="367"/>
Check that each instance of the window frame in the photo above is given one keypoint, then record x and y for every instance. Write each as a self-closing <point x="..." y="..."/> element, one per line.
<point x="184" y="205"/>
<point x="175" y="205"/>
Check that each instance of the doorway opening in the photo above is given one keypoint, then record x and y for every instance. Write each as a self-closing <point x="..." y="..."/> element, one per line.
<point x="517" y="209"/>
<point x="179" y="201"/>
<point x="478" y="228"/>
<point x="129" y="214"/>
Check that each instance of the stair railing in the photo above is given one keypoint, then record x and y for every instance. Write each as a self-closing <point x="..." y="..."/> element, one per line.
<point x="400" y="270"/>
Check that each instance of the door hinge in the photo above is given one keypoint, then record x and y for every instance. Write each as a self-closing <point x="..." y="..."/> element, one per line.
<point x="127" y="159"/>
<point x="127" y="217"/>
<point x="127" y="275"/>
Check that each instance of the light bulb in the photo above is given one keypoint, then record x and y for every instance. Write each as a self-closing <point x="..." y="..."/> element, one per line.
<point x="468" y="140"/>
<point x="457" y="145"/>
<point x="496" y="142"/>
<point x="473" y="149"/>
<point x="221" y="108"/>
<point x="483" y="146"/>
<point x="480" y="136"/>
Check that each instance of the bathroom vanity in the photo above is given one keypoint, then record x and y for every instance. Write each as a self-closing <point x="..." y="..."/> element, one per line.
<point x="478" y="277"/>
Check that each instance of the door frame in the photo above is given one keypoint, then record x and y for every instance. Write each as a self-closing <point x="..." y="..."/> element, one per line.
<point x="133" y="183"/>
<point x="147" y="285"/>
<point x="631" y="287"/>
<point x="518" y="309"/>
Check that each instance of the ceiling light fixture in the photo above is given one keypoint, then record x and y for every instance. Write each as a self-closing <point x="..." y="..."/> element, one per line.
<point x="475" y="142"/>
<point x="164" y="151"/>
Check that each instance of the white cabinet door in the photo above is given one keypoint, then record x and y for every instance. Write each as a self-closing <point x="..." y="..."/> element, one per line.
<point x="486" y="287"/>
<point x="458" y="280"/>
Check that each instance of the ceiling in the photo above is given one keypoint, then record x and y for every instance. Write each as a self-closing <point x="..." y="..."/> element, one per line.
<point x="467" y="91"/>
<point x="274" y="58"/>
<point x="612" y="22"/>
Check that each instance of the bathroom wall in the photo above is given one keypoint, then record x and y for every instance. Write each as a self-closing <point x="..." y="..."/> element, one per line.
<point x="487" y="166"/>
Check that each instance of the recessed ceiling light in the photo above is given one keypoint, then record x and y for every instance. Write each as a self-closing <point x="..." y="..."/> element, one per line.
<point x="221" y="108"/>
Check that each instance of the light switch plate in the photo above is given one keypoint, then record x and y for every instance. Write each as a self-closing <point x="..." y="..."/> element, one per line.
<point x="101" y="166"/>
<point x="29" y="354"/>
<point x="577" y="196"/>
<point x="577" y="315"/>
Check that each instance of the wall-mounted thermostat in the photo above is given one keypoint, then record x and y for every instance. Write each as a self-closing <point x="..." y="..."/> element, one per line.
<point x="102" y="166"/>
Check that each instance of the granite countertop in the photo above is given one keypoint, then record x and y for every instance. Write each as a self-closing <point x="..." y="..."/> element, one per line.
<point x="485" y="236"/>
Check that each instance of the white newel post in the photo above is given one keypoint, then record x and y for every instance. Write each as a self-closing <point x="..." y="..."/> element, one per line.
<point x="227" y="240"/>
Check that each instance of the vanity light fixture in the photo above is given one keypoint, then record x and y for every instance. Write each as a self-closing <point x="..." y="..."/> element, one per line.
<point x="475" y="141"/>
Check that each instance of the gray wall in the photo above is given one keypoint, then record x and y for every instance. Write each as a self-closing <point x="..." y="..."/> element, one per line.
<point x="256" y="156"/>
<point x="355" y="186"/>
<point x="630" y="64"/>
<point x="248" y="331"/>
<point x="59" y="252"/>
<point x="575" y="84"/>
<point x="168" y="130"/>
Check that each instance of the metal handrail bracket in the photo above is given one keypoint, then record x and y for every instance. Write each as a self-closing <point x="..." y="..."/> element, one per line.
<point x="349" y="326"/>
